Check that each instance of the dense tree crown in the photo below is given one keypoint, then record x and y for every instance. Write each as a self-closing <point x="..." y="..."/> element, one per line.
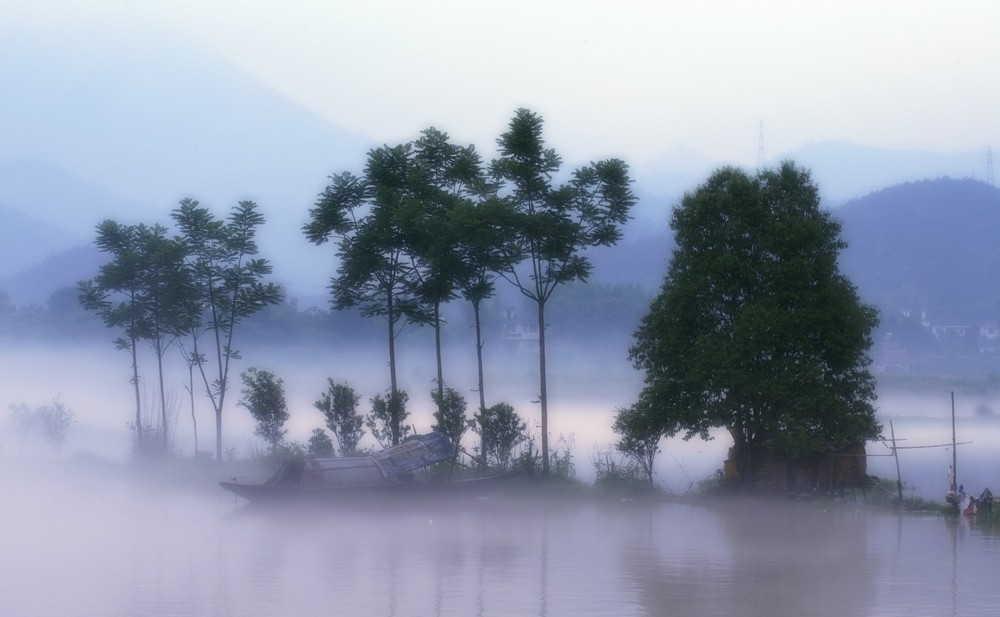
<point x="755" y="329"/>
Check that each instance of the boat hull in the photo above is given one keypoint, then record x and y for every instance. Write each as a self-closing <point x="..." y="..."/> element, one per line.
<point x="273" y="493"/>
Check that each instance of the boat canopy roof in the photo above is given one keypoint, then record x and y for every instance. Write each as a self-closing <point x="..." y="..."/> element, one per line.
<point x="415" y="453"/>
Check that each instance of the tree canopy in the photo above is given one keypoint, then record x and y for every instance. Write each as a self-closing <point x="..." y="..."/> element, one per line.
<point x="754" y="328"/>
<point x="264" y="398"/>
<point x="554" y="224"/>
<point x="368" y="215"/>
<point x="339" y="405"/>
<point x="229" y="284"/>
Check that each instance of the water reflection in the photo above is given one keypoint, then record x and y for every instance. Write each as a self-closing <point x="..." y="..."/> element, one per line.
<point x="111" y="548"/>
<point x="756" y="560"/>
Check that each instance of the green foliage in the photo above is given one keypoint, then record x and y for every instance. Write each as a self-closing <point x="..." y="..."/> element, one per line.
<point x="639" y="432"/>
<point x="229" y="285"/>
<point x="618" y="471"/>
<point x="755" y="329"/>
<point x="264" y="398"/>
<point x="481" y="233"/>
<point x="553" y="225"/>
<point x="320" y="444"/>
<point x="385" y="422"/>
<point x="119" y="294"/>
<point x="368" y="216"/>
<point x="443" y="178"/>
<point x="339" y="405"/>
<point x="501" y="431"/>
<point x="561" y="464"/>
<point x="449" y="418"/>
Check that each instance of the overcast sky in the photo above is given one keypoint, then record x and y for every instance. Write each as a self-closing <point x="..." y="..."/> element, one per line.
<point x="624" y="78"/>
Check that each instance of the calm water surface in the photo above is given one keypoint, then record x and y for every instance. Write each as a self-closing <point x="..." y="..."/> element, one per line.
<point x="105" y="547"/>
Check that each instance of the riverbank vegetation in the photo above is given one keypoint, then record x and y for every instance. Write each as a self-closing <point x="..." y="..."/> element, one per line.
<point x="755" y="331"/>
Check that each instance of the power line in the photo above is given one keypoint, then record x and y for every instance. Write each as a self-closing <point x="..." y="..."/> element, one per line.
<point x="760" y="148"/>
<point x="990" y="178"/>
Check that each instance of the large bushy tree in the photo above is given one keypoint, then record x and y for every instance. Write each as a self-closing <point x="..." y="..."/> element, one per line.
<point x="754" y="328"/>
<point x="555" y="223"/>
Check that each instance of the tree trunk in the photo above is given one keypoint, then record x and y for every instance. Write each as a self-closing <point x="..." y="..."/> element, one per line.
<point x="163" y="401"/>
<point x="479" y="357"/>
<point x="543" y="391"/>
<point x="482" y="380"/>
<point x="217" y="405"/>
<point x="218" y="434"/>
<point x="437" y="349"/>
<point x="139" y="441"/>
<point x="194" y="419"/>
<point x="393" y="415"/>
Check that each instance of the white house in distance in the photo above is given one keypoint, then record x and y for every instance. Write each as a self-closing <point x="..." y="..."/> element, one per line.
<point x="520" y="334"/>
<point x="949" y="347"/>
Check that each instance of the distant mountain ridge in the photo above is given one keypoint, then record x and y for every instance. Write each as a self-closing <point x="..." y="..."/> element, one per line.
<point x="26" y="240"/>
<point x="147" y="118"/>
<point x="929" y="245"/>
<point x="134" y="120"/>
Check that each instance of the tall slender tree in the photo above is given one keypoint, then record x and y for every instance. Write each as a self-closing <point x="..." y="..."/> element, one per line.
<point x="482" y="235"/>
<point x="376" y="271"/>
<point x="168" y="299"/>
<point x="117" y="295"/>
<point x="555" y="223"/>
<point x="230" y="286"/>
<point x="445" y="178"/>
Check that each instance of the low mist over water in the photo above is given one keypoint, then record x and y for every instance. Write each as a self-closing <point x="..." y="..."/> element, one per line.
<point x="82" y="539"/>
<point x="585" y="391"/>
<point x="86" y="533"/>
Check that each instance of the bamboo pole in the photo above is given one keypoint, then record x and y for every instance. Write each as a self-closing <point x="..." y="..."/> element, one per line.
<point x="895" y="455"/>
<point x="954" y="448"/>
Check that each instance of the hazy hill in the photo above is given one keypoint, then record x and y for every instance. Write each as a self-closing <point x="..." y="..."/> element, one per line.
<point x="931" y="245"/>
<point x="846" y="171"/>
<point x="926" y="245"/>
<point x="36" y="285"/>
<point x="27" y="240"/>
<point x="106" y="121"/>
<point x="146" y="117"/>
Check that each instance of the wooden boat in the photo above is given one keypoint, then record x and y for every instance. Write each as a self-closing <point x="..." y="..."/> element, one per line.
<point x="389" y="472"/>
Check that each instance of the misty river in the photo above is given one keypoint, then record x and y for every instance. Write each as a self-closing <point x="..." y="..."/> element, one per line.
<point x="102" y="543"/>
<point x="82" y="535"/>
